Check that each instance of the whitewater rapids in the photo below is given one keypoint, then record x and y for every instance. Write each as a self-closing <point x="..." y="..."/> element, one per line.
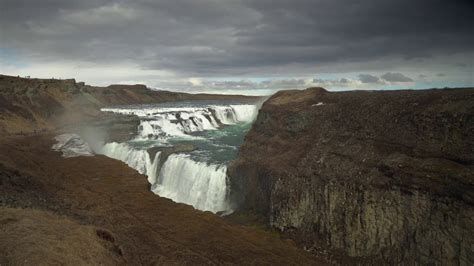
<point x="162" y="123"/>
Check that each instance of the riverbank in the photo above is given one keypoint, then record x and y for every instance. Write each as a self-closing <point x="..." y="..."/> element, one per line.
<point x="99" y="201"/>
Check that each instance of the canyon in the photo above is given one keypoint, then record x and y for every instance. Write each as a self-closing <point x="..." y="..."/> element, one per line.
<point x="95" y="209"/>
<point x="358" y="177"/>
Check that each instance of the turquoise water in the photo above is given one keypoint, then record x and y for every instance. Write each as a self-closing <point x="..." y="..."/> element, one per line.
<point x="218" y="146"/>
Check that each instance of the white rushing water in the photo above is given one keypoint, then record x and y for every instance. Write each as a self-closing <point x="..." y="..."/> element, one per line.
<point x="162" y="123"/>
<point x="183" y="177"/>
<point x="196" y="183"/>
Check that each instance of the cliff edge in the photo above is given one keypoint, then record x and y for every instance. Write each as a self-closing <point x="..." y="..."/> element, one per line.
<point x="379" y="176"/>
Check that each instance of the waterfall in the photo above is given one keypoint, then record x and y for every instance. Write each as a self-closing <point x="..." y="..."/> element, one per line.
<point x="245" y="112"/>
<point x="181" y="178"/>
<point x="195" y="183"/>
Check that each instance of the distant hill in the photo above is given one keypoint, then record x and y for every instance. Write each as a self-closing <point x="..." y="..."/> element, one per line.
<point x="27" y="104"/>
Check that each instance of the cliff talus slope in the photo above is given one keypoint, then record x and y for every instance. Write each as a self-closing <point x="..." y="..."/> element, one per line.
<point x="376" y="175"/>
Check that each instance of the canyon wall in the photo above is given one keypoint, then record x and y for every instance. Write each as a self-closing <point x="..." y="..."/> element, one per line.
<point x="382" y="176"/>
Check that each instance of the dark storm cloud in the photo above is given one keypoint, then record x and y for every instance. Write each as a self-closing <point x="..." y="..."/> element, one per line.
<point x="344" y="81"/>
<point x="396" y="77"/>
<point x="367" y="78"/>
<point x="213" y="37"/>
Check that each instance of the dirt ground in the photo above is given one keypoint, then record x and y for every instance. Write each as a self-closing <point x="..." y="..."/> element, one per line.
<point x="96" y="210"/>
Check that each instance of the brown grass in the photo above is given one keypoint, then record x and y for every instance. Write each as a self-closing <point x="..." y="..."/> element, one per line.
<point x="42" y="238"/>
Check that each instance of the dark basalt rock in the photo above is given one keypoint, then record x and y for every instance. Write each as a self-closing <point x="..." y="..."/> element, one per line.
<point x="167" y="151"/>
<point x="379" y="176"/>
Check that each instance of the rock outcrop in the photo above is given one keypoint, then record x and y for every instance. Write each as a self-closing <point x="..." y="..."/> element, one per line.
<point x="379" y="176"/>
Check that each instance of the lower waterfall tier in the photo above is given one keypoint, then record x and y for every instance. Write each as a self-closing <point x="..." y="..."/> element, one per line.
<point x="195" y="183"/>
<point x="180" y="178"/>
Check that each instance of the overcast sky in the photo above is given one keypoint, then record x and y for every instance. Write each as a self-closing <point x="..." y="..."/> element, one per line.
<point x="248" y="46"/>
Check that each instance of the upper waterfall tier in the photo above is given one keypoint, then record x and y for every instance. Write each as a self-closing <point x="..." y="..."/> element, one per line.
<point x="164" y="122"/>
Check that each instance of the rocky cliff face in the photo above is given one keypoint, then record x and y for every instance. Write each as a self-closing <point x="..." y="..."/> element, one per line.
<point x="385" y="176"/>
